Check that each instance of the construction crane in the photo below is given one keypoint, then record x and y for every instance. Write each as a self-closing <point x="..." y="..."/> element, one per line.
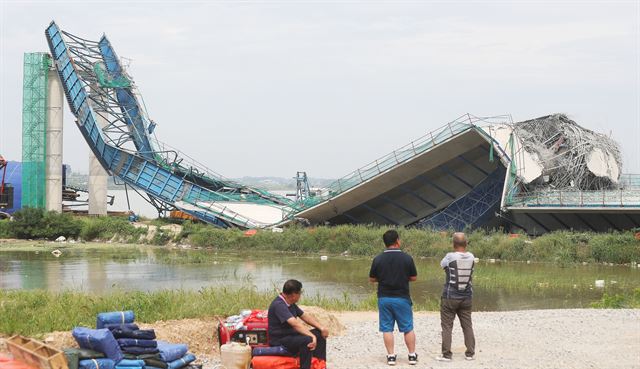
<point x="3" y="167"/>
<point x="303" y="191"/>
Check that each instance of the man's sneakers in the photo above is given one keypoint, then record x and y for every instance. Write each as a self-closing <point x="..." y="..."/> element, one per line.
<point x="391" y="359"/>
<point x="469" y="358"/>
<point x="413" y="359"/>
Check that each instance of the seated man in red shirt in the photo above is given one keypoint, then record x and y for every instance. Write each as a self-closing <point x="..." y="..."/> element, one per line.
<point x="285" y="329"/>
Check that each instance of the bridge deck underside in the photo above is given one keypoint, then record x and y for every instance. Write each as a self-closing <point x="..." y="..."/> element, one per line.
<point x="413" y="190"/>
<point x="538" y="221"/>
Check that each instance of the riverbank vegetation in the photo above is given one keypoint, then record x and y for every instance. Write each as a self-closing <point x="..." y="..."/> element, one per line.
<point x="30" y="223"/>
<point x="35" y="312"/>
<point x="560" y="247"/>
<point x="563" y="247"/>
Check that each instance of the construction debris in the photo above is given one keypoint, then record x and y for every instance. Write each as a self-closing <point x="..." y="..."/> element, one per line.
<point x="571" y="156"/>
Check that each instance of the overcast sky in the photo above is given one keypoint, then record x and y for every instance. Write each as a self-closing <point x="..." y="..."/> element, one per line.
<point x="271" y="88"/>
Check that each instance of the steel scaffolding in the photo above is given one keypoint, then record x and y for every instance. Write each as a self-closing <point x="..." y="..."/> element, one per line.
<point x="471" y="210"/>
<point x="34" y="128"/>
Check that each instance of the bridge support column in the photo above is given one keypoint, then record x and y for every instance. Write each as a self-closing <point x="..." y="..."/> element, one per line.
<point x="53" y="157"/>
<point x="98" y="178"/>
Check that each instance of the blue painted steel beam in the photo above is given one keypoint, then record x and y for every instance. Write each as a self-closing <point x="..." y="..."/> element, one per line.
<point x="431" y="183"/>
<point x="417" y="196"/>
<point x="390" y="201"/>
<point x="207" y="217"/>
<point x="128" y="165"/>
<point x="378" y="213"/>
<point x="128" y="102"/>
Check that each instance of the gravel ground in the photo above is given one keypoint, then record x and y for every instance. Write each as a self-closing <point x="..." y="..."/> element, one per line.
<point x="577" y="339"/>
<point x="572" y="339"/>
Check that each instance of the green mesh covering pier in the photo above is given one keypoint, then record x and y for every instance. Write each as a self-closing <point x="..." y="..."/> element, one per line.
<point x="34" y="128"/>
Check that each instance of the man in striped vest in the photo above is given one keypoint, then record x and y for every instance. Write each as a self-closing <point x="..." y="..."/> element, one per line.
<point x="456" y="297"/>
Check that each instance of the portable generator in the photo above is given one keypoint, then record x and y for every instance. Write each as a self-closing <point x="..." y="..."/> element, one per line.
<point x="249" y="327"/>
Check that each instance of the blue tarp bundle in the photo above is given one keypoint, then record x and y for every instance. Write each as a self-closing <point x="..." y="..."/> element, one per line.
<point x="96" y="364"/>
<point x="137" y="350"/>
<point x="170" y="352"/>
<point x="129" y="326"/>
<point x="129" y="362"/>
<point x="270" y="351"/>
<point x="114" y="317"/>
<point x="125" y="342"/>
<point x="139" y="334"/>
<point x="128" y="367"/>
<point x="183" y="361"/>
<point x="100" y="340"/>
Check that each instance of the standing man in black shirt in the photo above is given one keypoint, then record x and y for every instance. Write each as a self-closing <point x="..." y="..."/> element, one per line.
<point x="393" y="270"/>
<point x="285" y="329"/>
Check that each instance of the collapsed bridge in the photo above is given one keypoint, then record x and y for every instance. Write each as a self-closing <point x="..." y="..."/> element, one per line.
<point x="539" y="175"/>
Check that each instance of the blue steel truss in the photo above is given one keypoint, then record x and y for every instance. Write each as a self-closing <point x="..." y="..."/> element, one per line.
<point x="471" y="210"/>
<point x="171" y="184"/>
<point x="127" y="100"/>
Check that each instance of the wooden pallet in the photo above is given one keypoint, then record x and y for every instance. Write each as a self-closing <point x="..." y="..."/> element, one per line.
<point x="35" y="353"/>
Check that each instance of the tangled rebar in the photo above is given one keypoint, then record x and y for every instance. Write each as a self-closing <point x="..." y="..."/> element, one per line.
<point x="572" y="157"/>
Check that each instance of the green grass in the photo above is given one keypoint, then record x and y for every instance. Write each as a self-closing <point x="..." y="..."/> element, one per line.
<point x="29" y="223"/>
<point x="106" y="228"/>
<point x="40" y="224"/>
<point x="619" y="301"/>
<point x="562" y="247"/>
<point x="36" y="312"/>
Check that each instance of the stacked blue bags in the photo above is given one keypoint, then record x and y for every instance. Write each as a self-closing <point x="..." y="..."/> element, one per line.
<point x="130" y="364"/>
<point x="114" y="318"/>
<point x="137" y="345"/>
<point x="97" y="364"/>
<point x="175" y="356"/>
<point x="100" y="340"/>
<point x="135" y="341"/>
<point x="126" y="346"/>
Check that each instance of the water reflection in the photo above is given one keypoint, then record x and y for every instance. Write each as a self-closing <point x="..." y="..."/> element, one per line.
<point x="148" y="269"/>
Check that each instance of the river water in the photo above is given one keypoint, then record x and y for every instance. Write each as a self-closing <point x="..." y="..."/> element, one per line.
<point x="499" y="286"/>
